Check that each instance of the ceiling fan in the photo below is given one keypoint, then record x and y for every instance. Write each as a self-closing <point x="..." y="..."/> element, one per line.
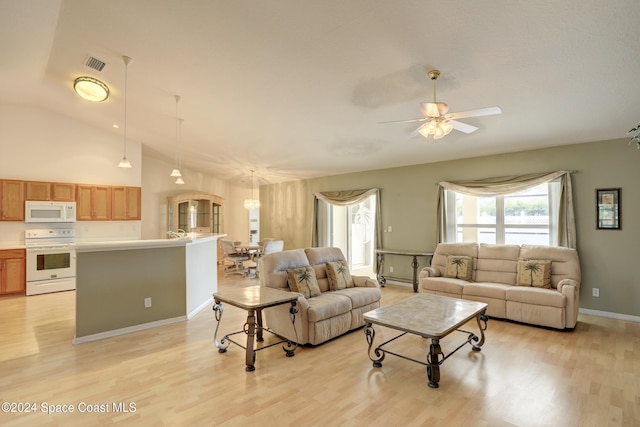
<point x="438" y="122"/>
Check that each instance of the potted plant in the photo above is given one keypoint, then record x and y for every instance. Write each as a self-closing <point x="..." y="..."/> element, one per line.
<point x="636" y="136"/>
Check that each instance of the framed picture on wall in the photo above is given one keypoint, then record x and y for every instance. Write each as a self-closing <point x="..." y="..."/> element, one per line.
<point x="608" y="209"/>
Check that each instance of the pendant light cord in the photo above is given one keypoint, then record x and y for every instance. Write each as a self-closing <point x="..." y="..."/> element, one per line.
<point x="126" y="78"/>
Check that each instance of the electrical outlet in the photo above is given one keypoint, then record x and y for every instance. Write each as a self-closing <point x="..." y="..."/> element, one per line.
<point x="596" y="292"/>
<point x="147" y="303"/>
<point x="391" y="269"/>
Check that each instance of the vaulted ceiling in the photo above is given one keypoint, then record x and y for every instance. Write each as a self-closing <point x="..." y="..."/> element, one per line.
<point x="295" y="89"/>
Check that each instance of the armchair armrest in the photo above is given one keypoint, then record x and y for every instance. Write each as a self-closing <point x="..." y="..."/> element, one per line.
<point x="568" y="282"/>
<point x="429" y="272"/>
<point x="365" y="282"/>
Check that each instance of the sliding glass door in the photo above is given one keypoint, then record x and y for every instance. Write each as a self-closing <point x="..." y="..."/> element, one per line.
<point x="352" y="229"/>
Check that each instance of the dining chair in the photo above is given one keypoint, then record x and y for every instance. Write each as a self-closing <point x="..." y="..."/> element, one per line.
<point x="236" y="258"/>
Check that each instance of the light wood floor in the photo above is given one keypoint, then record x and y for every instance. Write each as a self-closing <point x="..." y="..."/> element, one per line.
<point x="174" y="375"/>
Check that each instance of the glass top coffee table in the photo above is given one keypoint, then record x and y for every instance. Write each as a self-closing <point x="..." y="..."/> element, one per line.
<point x="429" y="316"/>
<point x="254" y="299"/>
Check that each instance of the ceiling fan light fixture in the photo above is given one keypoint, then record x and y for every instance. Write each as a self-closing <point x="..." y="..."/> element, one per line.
<point x="438" y="128"/>
<point x="91" y="89"/>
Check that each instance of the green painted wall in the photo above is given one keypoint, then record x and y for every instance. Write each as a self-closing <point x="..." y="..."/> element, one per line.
<point x="112" y="286"/>
<point x="409" y="197"/>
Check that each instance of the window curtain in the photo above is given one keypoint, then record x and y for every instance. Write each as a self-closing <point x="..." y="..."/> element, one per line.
<point x="562" y="216"/>
<point x="346" y="198"/>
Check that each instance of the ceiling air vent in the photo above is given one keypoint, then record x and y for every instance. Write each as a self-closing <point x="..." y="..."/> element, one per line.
<point x="94" y="63"/>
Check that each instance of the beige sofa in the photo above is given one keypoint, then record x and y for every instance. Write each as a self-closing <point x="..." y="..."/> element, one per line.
<point x="323" y="317"/>
<point x="494" y="279"/>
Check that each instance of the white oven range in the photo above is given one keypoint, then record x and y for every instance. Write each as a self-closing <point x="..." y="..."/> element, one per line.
<point x="51" y="260"/>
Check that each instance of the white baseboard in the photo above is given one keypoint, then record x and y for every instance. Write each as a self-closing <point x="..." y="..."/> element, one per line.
<point x="609" y="314"/>
<point x="199" y="308"/>
<point x="128" y="330"/>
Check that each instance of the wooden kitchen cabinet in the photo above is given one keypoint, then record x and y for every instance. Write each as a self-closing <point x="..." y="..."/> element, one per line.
<point x="125" y="203"/>
<point x="93" y="202"/>
<point x="12" y="199"/>
<point x="63" y="192"/>
<point x="12" y="271"/>
<point x="38" y="190"/>
<point x="50" y="191"/>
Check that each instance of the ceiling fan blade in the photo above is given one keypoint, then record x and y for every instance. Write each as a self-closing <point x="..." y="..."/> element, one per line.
<point x="463" y="127"/>
<point x="488" y="111"/>
<point x="405" y="121"/>
<point x="417" y="131"/>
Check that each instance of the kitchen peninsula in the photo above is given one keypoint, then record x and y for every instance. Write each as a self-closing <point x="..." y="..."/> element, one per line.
<point x="131" y="285"/>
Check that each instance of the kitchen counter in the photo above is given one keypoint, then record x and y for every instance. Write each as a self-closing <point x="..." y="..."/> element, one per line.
<point x="114" y="245"/>
<point x="130" y="285"/>
<point x="11" y="245"/>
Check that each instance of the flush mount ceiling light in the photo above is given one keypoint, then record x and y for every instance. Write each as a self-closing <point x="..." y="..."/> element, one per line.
<point x="91" y="89"/>
<point x="252" y="203"/>
<point x="176" y="169"/>
<point x="125" y="163"/>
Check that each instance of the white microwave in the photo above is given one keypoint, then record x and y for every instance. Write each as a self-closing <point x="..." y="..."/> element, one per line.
<point x="49" y="211"/>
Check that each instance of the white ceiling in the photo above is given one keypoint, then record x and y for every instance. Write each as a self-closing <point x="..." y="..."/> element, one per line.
<point x="295" y="88"/>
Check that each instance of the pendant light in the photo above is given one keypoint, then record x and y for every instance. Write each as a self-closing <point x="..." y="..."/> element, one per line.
<point x="176" y="169"/>
<point x="179" y="179"/>
<point x="252" y="203"/>
<point x="125" y="163"/>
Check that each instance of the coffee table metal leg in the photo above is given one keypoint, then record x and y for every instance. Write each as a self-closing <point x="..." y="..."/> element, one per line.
<point x="224" y="343"/>
<point x="370" y="335"/>
<point x="480" y="317"/>
<point x="433" y="363"/>
<point x="250" y="330"/>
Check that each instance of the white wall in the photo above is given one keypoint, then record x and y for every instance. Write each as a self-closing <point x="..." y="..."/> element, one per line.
<point x="39" y="145"/>
<point x="157" y="185"/>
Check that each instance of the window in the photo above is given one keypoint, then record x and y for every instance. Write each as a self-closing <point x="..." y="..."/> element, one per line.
<point x="517" y="218"/>
<point x="507" y="197"/>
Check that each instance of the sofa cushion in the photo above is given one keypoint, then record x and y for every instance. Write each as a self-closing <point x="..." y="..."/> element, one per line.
<point x="361" y="297"/>
<point x="459" y="267"/>
<point x="322" y="255"/>
<point x="535" y="296"/>
<point x="565" y="261"/>
<point x="535" y="273"/>
<point x="444" y="284"/>
<point x="303" y="280"/>
<point x="274" y="266"/>
<point x="485" y="289"/>
<point x="443" y="250"/>
<point x="338" y="274"/>
<point x="327" y="305"/>
<point x="497" y="263"/>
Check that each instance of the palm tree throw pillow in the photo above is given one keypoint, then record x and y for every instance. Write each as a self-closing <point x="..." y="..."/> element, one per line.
<point x="459" y="267"/>
<point x="339" y="276"/>
<point x="534" y="272"/>
<point x="303" y="280"/>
